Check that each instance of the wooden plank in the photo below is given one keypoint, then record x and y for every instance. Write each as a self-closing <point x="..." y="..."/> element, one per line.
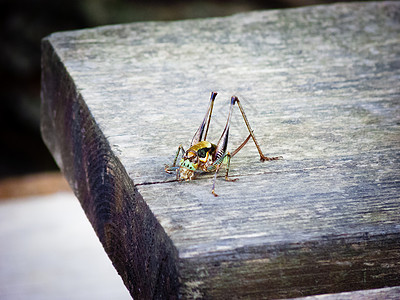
<point x="319" y="86"/>
<point x="391" y="293"/>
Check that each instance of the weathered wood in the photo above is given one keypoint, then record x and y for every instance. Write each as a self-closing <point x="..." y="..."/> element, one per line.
<point x="320" y="87"/>
<point x="391" y="293"/>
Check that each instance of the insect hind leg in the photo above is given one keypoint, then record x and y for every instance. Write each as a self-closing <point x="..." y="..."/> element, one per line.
<point x="201" y="133"/>
<point x="262" y="156"/>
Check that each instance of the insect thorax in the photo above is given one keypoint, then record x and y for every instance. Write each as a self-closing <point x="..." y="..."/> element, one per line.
<point x="197" y="157"/>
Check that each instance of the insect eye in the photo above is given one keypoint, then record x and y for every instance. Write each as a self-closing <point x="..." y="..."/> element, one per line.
<point x="202" y="152"/>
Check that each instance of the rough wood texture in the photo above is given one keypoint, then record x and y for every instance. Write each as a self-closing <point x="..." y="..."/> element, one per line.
<point x="390" y="293"/>
<point x="320" y="86"/>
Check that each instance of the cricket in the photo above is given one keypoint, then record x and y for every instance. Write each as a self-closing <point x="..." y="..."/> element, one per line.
<point x="203" y="156"/>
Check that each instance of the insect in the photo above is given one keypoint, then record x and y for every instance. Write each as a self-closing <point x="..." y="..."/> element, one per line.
<point x="203" y="156"/>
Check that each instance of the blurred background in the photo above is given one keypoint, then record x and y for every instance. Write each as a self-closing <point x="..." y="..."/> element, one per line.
<point x="48" y="249"/>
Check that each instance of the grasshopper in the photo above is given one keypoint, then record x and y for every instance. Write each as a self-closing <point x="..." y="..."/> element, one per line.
<point x="203" y="156"/>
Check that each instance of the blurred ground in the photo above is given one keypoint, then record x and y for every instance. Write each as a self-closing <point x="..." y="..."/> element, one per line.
<point x="32" y="185"/>
<point x="50" y="251"/>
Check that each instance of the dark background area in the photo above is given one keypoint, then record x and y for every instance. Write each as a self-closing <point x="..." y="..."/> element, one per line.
<point x="25" y="23"/>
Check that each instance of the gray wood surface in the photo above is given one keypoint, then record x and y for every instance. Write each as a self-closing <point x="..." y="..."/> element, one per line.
<point x="390" y="293"/>
<point x="320" y="86"/>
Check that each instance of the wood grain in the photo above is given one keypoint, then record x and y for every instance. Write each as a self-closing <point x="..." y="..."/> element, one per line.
<point x="320" y="88"/>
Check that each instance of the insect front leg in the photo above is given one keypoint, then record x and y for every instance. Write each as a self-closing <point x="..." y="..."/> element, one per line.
<point x="169" y="169"/>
